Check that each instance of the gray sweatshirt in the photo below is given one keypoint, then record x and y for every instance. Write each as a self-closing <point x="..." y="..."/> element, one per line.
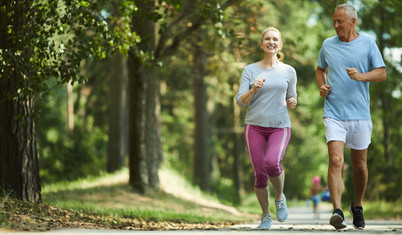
<point x="268" y="106"/>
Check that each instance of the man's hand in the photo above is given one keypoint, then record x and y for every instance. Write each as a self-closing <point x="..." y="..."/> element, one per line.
<point x="325" y="90"/>
<point x="354" y="74"/>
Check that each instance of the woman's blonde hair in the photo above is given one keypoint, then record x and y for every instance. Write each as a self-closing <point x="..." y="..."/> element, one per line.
<point x="281" y="55"/>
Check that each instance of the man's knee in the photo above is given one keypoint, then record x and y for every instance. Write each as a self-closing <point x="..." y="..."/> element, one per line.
<point x="359" y="165"/>
<point x="359" y="159"/>
<point x="336" y="160"/>
<point x="335" y="152"/>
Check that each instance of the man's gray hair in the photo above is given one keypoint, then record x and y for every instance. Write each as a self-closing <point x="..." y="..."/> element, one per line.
<point x="349" y="9"/>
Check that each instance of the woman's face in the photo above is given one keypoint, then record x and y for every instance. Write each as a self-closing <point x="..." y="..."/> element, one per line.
<point x="271" y="42"/>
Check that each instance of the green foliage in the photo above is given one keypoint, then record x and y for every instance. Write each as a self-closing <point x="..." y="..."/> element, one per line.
<point x="50" y="39"/>
<point x="67" y="156"/>
<point x="306" y="155"/>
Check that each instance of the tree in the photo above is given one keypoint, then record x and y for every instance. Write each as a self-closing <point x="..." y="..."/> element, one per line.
<point x="118" y="131"/>
<point x="118" y="115"/>
<point x="39" y="40"/>
<point x="182" y="20"/>
<point x="143" y="123"/>
<point x="202" y="158"/>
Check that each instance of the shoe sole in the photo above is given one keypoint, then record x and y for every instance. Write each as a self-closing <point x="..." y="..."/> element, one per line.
<point x="354" y="226"/>
<point x="337" y="222"/>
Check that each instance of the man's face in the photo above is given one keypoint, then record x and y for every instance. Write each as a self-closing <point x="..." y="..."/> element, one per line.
<point x="342" y="23"/>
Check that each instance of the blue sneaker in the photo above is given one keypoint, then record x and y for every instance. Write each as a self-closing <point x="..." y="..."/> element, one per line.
<point x="266" y="222"/>
<point x="281" y="209"/>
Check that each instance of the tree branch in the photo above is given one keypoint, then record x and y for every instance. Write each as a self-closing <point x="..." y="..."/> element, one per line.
<point x="162" y="50"/>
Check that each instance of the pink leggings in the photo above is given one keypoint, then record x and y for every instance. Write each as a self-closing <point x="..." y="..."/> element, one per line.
<point x="266" y="147"/>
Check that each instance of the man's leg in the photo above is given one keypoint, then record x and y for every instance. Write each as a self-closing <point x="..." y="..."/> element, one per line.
<point x="360" y="174"/>
<point x="335" y="181"/>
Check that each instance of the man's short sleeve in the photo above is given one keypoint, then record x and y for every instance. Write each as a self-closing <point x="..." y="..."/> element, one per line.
<point x="321" y="59"/>
<point x="376" y="60"/>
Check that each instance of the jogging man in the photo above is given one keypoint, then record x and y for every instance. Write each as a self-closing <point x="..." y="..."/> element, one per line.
<point x="347" y="63"/>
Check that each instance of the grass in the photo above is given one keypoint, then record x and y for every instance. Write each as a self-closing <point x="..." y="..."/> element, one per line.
<point x="382" y="209"/>
<point x="111" y="196"/>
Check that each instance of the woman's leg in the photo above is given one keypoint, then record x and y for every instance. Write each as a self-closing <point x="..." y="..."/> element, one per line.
<point x="256" y="147"/>
<point x="277" y="143"/>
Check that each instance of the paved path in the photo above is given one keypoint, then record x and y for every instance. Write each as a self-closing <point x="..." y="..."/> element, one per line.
<point x="300" y="220"/>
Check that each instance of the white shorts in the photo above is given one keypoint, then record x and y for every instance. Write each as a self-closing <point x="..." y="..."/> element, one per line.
<point x="356" y="134"/>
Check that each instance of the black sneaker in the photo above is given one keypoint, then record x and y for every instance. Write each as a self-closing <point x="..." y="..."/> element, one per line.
<point x="337" y="219"/>
<point x="358" y="219"/>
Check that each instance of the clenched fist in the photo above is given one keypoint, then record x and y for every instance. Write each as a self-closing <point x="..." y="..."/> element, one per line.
<point x="324" y="90"/>
<point x="258" y="83"/>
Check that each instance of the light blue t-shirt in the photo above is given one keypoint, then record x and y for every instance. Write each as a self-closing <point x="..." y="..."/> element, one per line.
<point x="268" y="106"/>
<point x="348" y="99"/>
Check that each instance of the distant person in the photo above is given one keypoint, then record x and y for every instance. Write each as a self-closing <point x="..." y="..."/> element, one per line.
<point x="268" y="89"/>
<point x="347" y="63"/>
<point x="315" y="195"/>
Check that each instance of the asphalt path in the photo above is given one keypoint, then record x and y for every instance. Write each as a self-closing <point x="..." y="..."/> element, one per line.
<point x="300" y="220"/>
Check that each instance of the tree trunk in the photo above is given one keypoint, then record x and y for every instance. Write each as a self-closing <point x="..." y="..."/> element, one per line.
<point x="70" y="109"/>
<point x="384" y="94"/>
<point x="152" y="135"/>
<point x="202" y="160"/>
<point x="124" y="142"/>
<point x="19" y="171"/>
<point x="137" y="153"/>
<point x="145" y="152"/>
<point x="238" y="147"/>
<point x="385" y="103"/>
<point x="116" y="114"/>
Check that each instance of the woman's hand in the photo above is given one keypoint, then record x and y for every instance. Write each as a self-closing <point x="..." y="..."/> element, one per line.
<point x="291" y="103"/>
<point x="258" y="83"/>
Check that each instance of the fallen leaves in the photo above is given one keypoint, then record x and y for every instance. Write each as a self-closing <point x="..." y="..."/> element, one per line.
<point x="23" y="216"/>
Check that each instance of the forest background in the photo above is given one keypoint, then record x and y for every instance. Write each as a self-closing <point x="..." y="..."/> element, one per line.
<point x="145" y="84"/>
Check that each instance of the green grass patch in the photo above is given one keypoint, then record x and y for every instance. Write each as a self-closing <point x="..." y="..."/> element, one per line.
<point x="383" y="210"/>
<point x="100" y="197"/>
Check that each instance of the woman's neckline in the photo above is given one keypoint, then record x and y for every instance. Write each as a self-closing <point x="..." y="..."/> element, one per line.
<point x="261" y="65"/>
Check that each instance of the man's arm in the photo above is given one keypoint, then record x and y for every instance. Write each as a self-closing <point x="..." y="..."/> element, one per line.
<point x="376" y="75"/>
<point x="321" y="77"/>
